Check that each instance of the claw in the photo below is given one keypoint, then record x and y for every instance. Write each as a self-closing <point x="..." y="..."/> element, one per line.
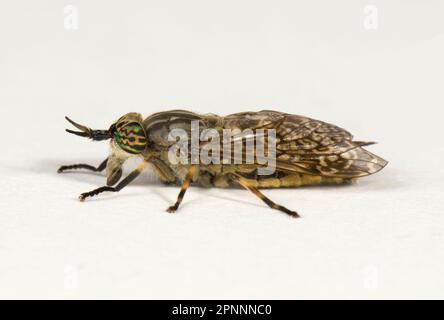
<point x="295" y="215"/>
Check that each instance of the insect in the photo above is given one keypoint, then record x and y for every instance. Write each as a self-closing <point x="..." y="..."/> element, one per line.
<point x="307" y="152"/>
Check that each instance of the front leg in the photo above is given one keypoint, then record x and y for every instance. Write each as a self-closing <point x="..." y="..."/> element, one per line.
<point x="185" y="185"/>
<point x="100" y="168"/>
<point x="133" y="175"/>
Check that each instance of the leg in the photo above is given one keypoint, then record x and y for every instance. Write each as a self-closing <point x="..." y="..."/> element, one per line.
<point x="185" y="185"/>
<point x="100" y="168"/>
<point x="164" y="172"/>
<point x="247" y="185"/>
<point x="133" y="175"/>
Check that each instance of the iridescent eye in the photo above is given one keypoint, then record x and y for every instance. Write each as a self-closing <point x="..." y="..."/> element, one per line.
<point x="131" y="137"/>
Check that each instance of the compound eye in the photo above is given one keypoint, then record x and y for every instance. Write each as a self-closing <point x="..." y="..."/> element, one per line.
<point x="131" y="137"/>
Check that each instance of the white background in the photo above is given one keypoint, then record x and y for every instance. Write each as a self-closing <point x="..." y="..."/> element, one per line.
<point x="380" y="238"/>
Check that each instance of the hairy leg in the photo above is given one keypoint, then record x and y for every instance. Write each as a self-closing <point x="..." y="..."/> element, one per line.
<point x="247" y="185"/>
<point x="185" y="185"/>
<point x="100" y="168"/>
<point x="133" y="175"/>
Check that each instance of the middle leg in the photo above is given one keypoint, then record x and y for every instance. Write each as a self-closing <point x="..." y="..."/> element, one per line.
<point x="185" y="185"/>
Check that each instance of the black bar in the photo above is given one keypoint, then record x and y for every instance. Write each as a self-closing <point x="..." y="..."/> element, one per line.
<point x="223" y="309"/>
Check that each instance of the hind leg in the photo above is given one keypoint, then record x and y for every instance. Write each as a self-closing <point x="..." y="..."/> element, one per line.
<point x="247" y="185"/>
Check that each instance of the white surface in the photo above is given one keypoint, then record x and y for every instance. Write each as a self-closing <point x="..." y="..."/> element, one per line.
<point x="380" y="238"/>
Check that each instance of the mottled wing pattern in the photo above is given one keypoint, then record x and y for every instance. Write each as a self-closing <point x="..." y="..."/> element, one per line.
<point x="309" y="146"/>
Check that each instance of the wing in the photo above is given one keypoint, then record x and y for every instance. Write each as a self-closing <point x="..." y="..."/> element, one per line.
<point x="309" y="146"/>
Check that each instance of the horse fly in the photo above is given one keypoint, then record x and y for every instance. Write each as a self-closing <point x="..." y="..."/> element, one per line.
<point x="304" y="152"/>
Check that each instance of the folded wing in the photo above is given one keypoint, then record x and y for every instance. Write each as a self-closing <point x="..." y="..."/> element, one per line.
<point x="309" y="146"/>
